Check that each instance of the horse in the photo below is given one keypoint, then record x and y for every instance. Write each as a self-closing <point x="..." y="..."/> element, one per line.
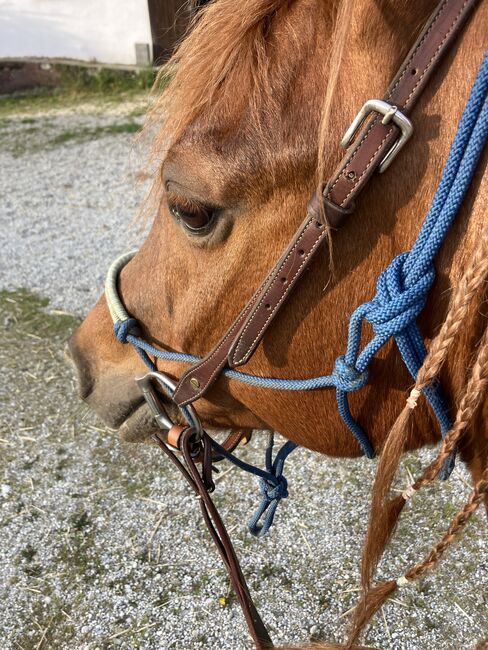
<point x="248" y="128"/>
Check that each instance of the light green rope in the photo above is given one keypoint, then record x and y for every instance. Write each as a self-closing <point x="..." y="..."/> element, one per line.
<point x="115" y="306"/>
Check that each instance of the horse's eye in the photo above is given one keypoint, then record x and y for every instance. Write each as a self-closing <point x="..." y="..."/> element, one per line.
<point x="195" y="218"/>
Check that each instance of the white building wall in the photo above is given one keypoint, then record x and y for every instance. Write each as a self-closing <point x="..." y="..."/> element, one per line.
<point x="102" y="30"/>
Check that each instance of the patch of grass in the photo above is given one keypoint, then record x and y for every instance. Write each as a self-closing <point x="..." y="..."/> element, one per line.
<point x="23" y="312"/>
<point x="86" y="133"/>
<point x="33" y="570"/>
<point x="103" y="80"/>
<point x="28" y="553"/>
<point x="136" y="489"/>
<point x="30" y="139"/>
<point x="80" y="84"/>
<point x="449" y="510"/>
<point x="25" y="559"/>
<point x="53" y="628"/>
<point x="138" y="112"/>
<point x="79" y="554"/>
<point x="80" y="521"/>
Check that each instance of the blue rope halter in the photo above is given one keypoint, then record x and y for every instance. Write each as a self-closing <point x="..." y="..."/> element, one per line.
<point x="401" y="294"/>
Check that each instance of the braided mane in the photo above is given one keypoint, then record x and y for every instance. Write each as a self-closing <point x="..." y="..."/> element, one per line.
<point x="386" y="510"/>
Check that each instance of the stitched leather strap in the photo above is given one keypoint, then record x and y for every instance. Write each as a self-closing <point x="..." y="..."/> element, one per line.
<point x="364" y="156"/>
<point x="261" y="309"/>
<point x="359" y="163"/>
<point x="230" y="444"/>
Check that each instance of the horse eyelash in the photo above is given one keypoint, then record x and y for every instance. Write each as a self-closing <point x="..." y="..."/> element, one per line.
<point x="186" y="204"/>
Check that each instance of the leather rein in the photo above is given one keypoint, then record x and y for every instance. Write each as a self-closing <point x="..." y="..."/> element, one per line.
<point x="384" y="128"/>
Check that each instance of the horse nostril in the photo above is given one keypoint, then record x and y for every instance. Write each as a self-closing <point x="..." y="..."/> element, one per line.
<point x="85" y="379"/>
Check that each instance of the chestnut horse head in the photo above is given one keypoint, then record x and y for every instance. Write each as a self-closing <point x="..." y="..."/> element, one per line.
<point x="259" y="97"/>
<point x="250" y="124"/>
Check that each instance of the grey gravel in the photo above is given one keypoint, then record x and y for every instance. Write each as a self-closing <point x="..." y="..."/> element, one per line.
<point x="101" y="545"/>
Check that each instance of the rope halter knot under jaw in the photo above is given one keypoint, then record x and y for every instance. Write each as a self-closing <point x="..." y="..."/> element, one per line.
<point x="125" y="328"/>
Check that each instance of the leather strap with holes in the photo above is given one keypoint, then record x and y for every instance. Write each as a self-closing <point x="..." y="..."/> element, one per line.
<point x="376" y="138"/>
<point x="337" y="202"/>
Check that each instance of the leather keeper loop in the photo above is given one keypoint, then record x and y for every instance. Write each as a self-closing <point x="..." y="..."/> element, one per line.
<point x="314" y="208"/>
<point x="336" y="216"/>
<point x="174" y="435"/>
<point x="322" y="209"/>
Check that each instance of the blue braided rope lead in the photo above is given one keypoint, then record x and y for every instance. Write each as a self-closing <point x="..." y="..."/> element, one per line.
<point x="402" y="289"/>
<point x="401" y="294"/>
<point x="273" y="484"/>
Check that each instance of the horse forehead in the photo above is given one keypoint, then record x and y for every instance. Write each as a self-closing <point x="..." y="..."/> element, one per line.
<point x="211" y="165"/>
<point x="241" y="161"/>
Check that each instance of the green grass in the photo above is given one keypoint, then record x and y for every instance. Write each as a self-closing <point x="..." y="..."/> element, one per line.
<point x="78" y="85"/>
<point x="85" y="133"/>
<point x="31" y="139"/>
<point x="23" y="313"/>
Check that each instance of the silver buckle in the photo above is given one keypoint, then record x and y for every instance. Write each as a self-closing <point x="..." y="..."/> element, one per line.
<point x="390" y="114"/>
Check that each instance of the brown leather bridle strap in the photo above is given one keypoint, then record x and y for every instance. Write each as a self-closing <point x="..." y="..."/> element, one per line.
<point x="361" y="160"/>
<point x="235" y="438"/>
<point x="230" y="444"/>
<point x="201" y="485"/>
<point x="273" y="292"/>
<point x="364" y="157"/>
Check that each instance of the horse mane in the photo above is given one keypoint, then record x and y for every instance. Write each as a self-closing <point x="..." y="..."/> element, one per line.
<point x="226" y="70"/>
<point x="231" y="46"/>
<point x="225" y="48"/>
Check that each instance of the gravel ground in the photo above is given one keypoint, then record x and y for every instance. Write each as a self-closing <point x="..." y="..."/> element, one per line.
<point x="101" y="545"/>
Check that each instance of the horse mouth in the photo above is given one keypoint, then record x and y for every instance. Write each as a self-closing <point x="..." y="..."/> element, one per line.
<point x="140" y="425"/>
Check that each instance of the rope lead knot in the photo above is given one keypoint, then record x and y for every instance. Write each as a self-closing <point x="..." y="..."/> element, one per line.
<point x="274" y="492"/>
<point x="347" y="377"/>
<point x="400" y="297"/>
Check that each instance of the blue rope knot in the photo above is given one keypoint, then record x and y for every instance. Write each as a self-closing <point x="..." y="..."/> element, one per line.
<point x="274" y="491"/>
<point x="124" y="328"/>
<point x="347" y="377"/>
<point x="273" y="485"/>
<point x="399" y="298"/>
